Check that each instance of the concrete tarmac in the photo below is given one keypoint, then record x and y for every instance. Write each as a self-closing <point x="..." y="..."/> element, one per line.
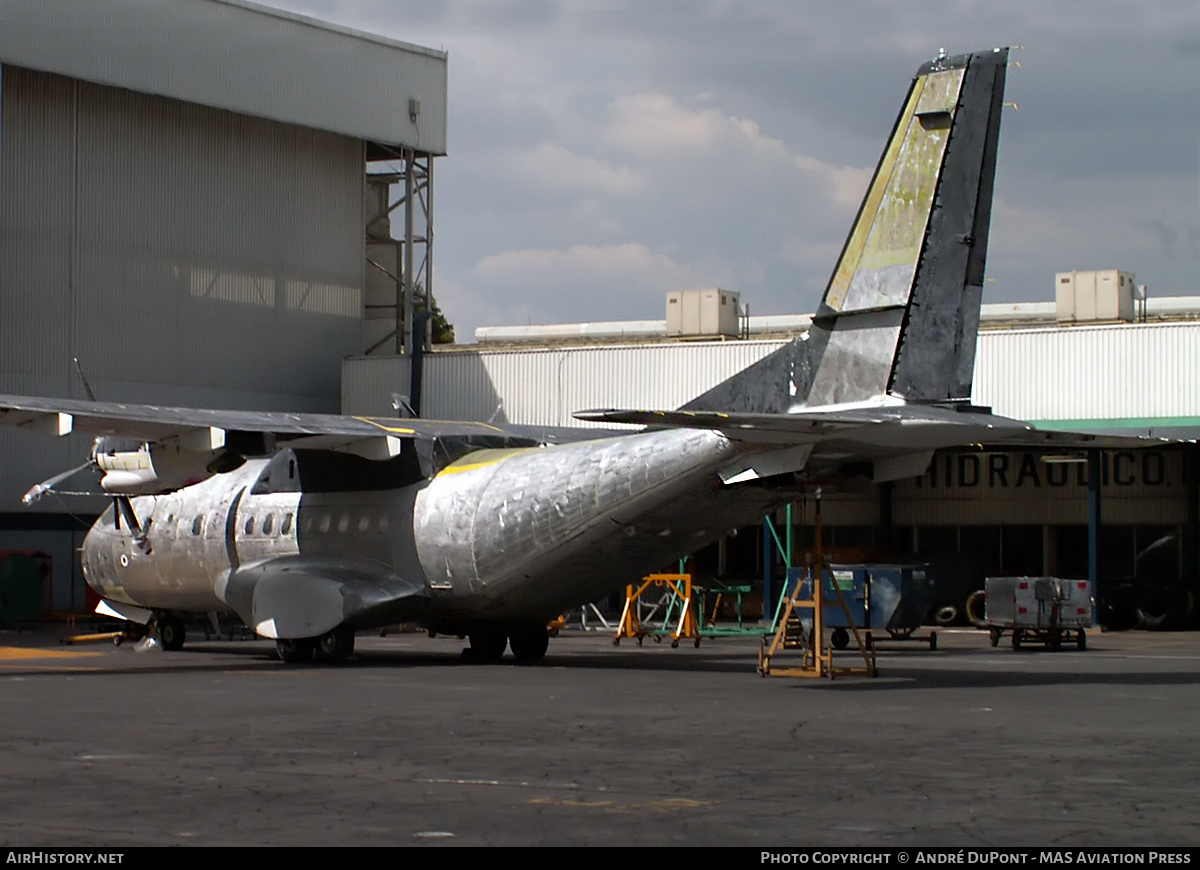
<point x="968" y="746"/>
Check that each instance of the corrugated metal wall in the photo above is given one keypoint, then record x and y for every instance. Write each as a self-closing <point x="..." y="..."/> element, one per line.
<point x="1091" y="372"/>
<point x="1118" y="373"/>
<point x="184" y="254"/>
<point x="545" y="386"/>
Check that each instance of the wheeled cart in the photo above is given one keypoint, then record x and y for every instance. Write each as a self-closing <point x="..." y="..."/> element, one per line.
<point x="880" y="599"/>
<point x="1046" y="610"/>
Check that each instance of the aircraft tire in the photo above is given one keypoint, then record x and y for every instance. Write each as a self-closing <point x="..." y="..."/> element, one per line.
<point x="976" y="603"/>
<point x="840" y="638"/>
<point x="172" y="633"/>
<point x="529" y="643"/>
<point x="336" y="644"/>
<point x="295" y="651"/>
<point x="487" y="646"/>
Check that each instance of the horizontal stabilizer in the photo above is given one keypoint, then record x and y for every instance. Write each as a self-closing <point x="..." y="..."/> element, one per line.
<point x="919" y="427"/>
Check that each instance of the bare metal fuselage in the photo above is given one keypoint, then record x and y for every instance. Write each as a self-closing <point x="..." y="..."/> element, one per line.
<point x="498" y="536"/>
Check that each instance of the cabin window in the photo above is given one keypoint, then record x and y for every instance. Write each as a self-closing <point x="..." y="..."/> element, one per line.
<point x="268" y="524"/>
<point x="344" y="523"/>
<point x="286" y="527"/>
<point x="198" y="525"/>
<point x="364" y="524"/>
<point x="323" y="524"/>
<point x="249" y="527"/>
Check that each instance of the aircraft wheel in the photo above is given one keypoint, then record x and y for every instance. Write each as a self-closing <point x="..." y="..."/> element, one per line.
<point x="840" y="638"/>
<point x="529" y="643"/>
<point x="297" y="651"/>
<point x="335" y="644"/>
<point x="946" y="615"/>
<point x="1081" y="640"/>
<point x="172" y="633"/>
<point x="487" y="645"/>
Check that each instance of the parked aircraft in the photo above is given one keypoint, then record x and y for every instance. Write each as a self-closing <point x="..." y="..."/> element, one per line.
<point x="311" y="527"/>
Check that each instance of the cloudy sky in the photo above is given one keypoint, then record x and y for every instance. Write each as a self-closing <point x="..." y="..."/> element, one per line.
<point x="604" y="152"/>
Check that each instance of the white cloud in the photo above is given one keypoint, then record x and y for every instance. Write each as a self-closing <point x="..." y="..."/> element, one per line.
<point x="625" y="269"/>
<point x="554" y="167"/>
<point x="659" y="129"/>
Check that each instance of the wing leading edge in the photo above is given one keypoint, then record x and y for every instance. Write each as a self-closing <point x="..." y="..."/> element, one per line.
<point x="206" y="428"/>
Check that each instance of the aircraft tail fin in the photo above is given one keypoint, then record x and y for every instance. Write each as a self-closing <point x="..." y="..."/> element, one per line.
<point x="900" y="314"/>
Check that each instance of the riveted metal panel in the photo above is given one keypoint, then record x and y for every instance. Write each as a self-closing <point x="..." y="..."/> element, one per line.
<point x="242" y="57"/>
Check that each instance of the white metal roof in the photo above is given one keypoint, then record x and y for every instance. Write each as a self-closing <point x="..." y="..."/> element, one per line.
<point x="230" y="54"/>
<point x="993" y="315"/>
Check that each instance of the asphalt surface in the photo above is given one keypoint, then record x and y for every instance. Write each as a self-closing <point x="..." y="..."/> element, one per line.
<point x="968" y="746"/>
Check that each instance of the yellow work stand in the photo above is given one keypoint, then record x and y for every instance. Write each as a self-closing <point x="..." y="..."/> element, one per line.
<point x="789" y="634"/>
<point x="679" y="594"/>
<point x="817" y="660"/>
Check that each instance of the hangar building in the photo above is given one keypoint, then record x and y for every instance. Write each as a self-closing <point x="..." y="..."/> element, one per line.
<point x="190" y="205"/>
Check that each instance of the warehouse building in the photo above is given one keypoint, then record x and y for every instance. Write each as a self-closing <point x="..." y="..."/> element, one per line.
<point x="193" y="206"/>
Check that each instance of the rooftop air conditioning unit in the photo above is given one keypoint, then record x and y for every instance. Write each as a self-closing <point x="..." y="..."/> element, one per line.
<point x="702" y="313"/>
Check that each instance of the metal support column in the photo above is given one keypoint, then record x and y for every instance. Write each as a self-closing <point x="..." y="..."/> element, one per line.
<point x="1094" y="463"/>
<point x="399" y="278"/>
<point x="768" y="562"/>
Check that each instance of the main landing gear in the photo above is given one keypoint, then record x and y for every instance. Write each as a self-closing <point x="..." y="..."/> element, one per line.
<point x="332" y="646"/>
<point x="171" y="632"/>
<point x="527" y="642"/>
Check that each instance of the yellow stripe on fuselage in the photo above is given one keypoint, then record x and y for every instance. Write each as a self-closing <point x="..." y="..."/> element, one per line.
<point x="482" y="459"/>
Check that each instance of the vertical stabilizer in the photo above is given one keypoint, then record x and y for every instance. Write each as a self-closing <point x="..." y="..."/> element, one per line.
<point x="900" y="314"/>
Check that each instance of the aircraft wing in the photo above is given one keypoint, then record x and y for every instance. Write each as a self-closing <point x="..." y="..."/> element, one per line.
<point x="153" y="423"/>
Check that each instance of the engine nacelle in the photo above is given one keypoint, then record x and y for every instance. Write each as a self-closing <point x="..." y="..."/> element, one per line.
<point x="138" y="468"/>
